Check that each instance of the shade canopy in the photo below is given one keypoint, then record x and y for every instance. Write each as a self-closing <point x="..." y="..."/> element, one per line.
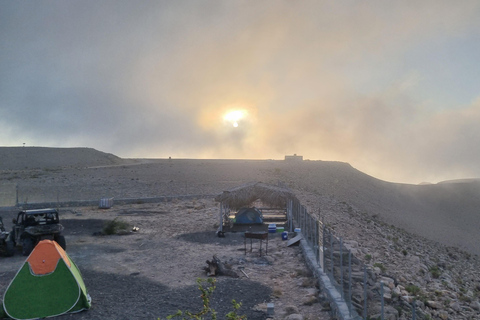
<point x="247" y="194"/>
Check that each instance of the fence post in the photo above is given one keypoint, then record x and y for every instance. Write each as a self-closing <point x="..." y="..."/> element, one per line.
<point x="365" y="292"/>
<point x="306" y="232"/>
<point x="381" y="296"/>
<point x="304" y="228"/>
<point x="414" y="316"/>
<point x="312" y="229"/>
<point x="341" y="267"/>
<point x="300" y="216"/>
<point x="293" y="214"/>
<point x="317" y="241"/>
<point x="323" y="245"/>
<point x="350" y="282"/>
<point x="290" y="208"/>
<point x="221" y="216"/>
<point x="331" y="254"/>
<point x="305" y="225"/>
<point x="312" y="232"/>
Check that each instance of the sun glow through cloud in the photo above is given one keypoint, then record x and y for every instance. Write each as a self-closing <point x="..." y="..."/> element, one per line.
<point x="235" y="116"/>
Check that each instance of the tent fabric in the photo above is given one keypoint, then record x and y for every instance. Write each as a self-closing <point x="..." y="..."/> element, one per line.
<point x="44" y="260"/>
<point x="248" y="216"/>
<point x="48" y="284"/>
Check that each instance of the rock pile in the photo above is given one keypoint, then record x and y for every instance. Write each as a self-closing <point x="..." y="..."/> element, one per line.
<point x="418" y="275"/>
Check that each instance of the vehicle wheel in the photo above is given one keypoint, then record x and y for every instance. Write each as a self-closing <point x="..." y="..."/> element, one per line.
<point x="10" y="248"/>
<point x="12" y="237"/>
<point x="61" y="241"/>
<point x="27" y="246"/>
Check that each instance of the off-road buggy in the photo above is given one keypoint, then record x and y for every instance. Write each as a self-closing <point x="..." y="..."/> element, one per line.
<point x="32" y="226"/>
<point x="7" y="247"/>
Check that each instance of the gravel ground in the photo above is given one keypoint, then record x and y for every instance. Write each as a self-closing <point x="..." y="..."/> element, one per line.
<point x="153" y="272"/>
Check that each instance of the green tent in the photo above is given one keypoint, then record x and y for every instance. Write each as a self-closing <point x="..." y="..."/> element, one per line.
<point x="48" y="284"/>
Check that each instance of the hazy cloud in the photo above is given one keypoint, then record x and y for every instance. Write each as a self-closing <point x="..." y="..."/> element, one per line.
<point x="357" y="82"/>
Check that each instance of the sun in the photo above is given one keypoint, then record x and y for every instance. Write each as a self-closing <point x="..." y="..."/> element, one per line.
<point x="235" y="116"/>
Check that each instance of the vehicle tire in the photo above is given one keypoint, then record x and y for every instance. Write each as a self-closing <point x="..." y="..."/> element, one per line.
<point x="12" y="237"/>
<point x="27" y="246"/>
<point x="10" y="248"/>
<point x="61" y="241"/>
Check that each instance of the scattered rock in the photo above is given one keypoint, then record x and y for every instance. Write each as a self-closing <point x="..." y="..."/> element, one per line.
<point x="294" y="316"/>
<point x="475" y="305"/>
<point x="291" y="309"/>
<point x="434" y="304"/>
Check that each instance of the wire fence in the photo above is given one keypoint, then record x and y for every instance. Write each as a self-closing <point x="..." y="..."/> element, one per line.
<point x="360" y="288"/>
<point x="18" y="194"/>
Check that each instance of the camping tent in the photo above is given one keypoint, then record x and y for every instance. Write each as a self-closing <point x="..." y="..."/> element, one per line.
<point x="48" y="284"/>
<point x="249" y="216"/>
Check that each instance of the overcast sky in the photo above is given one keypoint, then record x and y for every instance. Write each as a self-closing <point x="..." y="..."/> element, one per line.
<point x="391" y="87"/>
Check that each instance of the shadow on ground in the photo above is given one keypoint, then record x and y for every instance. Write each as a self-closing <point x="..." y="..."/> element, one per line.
<point x="111" y="293"/>
<point x="82" y="226"/>
<point x="209" y="237"/>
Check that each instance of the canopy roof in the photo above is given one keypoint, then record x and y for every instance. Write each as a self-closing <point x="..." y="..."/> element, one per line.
<point x="244" y="195"/>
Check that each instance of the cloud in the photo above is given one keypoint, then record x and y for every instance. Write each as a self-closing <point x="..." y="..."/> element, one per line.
<point x="328" y="80"/>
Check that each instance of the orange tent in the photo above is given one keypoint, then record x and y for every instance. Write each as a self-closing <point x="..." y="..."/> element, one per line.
<point x="48" y="284"/>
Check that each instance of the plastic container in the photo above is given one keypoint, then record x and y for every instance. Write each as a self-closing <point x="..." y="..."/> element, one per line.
<point x="284" y="235"/>
<point x="280" y="229"/>
<point x="272" y="228"/>
<point x="106" y="203"/>
<point x="270" y="309"/>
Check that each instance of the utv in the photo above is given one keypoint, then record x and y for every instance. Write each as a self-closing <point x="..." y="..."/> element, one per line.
<point x="7" y="247"/>
<point x="31" y="226"/>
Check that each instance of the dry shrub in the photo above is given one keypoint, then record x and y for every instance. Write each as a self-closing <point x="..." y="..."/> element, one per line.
<point x="309" y="283"/>
<point x="304" y="273"/>
<point x="291" y="309"/>
<point x="277" y="293"/>
<point x="116" y="226"/>
<point x="310" y="301"/>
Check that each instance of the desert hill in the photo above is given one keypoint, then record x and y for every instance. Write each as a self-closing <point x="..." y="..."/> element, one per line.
<point x="19" y="158"/>
<point x="448" y="213"/>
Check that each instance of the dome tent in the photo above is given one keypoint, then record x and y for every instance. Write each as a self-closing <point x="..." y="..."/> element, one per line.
<point x="248" y="216"/>
<point x="48" y="284"/>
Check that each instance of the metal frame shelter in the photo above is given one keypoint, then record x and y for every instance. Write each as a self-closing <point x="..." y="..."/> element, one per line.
<point x="245" y="195"/>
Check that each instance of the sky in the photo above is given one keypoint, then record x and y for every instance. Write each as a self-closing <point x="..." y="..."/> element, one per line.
<point x="391" y="87"/>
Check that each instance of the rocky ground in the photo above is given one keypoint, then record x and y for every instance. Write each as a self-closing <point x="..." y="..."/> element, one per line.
<point x="443" y="282"/>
